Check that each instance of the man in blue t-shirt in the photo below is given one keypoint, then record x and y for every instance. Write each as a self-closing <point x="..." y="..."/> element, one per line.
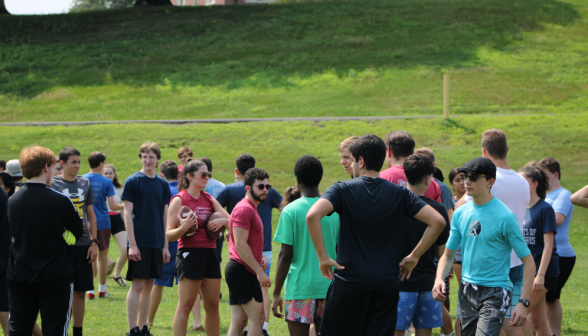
<point x="363" y="298"/>
<point x="169" y="171"/>
<point x="103" y="190"/>
<point x="487" y="231"/>
<point x="232" y="194"/>
<point x="146" y="197"/>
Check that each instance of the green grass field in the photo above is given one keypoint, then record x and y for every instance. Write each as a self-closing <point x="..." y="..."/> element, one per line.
<point x="276" y="146"/>
<point x="315" y="59"/>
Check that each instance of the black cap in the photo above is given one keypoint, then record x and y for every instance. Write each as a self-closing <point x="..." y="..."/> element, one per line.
<point x="480" y="165"/>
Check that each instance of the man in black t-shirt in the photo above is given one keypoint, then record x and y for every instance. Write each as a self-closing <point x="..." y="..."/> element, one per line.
<point x="363" y="298"/>
<point x="416" y="304"/>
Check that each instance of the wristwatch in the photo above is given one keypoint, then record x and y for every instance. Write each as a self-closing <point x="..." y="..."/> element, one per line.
<point x="95" y="240"/>
<point x="525" y="302"/>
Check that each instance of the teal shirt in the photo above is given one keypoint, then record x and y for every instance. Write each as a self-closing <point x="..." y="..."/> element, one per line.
<point x="304" y="280"/>
<point x="487" y="233"/>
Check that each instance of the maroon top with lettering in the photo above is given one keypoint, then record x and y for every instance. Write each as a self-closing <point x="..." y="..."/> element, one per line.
<point x="203" y="206"/>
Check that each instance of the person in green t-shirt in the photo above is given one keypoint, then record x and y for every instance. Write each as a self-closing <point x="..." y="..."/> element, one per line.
<point x="298" y="265"/>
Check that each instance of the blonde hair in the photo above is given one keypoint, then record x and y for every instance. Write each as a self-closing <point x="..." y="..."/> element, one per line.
<point x="345" y="143"/>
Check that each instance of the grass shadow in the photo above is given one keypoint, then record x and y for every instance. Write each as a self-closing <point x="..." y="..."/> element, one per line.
<point x="257" y="46"/>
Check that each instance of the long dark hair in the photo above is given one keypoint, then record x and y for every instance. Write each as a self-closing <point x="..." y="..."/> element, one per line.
<point x="537" y="175"/>
<point x="115" y="181"/>
<point x="8" y="183"/>
<point x="291" y="194"/>
<point x="191" y="166"/>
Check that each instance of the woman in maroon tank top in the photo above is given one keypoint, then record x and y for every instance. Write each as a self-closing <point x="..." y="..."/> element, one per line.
<point x="197" y="261"/>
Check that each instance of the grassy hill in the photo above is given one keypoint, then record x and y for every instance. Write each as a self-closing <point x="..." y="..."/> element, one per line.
<point x="314" y="59"/>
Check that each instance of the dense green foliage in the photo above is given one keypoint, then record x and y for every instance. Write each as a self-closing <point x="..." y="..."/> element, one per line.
<point x="316" y="59"/>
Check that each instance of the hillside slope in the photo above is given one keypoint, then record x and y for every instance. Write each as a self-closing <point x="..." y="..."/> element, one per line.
<point x="317" y="59"/>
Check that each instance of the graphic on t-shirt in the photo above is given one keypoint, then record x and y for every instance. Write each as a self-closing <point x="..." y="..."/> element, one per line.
<point x="202" y="213"/>
<point x="402" y="183"/>
<point x="475" y="228"/>
<point x="529" y="235"/>
<point x="77" y="199"/>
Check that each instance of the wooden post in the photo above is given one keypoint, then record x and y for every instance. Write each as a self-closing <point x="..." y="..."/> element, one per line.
<point x="446" y="96"/>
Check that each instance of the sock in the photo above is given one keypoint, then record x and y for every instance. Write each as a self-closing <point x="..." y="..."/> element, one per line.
<point x="90" y="292"/>
<point x="265" y="326"/>
<point x="246" y="329"/>
<point x="452" y="334"/>
<point x="77" y="331"/>
<point x="102" y="288"/>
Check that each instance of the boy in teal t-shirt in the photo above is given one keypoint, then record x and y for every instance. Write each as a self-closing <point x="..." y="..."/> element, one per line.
<point x="487" y="231"/>
<point x="298" y="265"/>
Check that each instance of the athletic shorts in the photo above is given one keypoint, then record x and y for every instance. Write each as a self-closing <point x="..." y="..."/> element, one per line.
<point x="353" y="310"/>
<point x="420" y="309"/>
<point x="268" y="255"/>
<point x="551" y="285"/>
<point x="483" y="309"/>
<point x="516" y="277"/>
<point x="84" y="280"/>
<point x="103" y="239"/>
<point x="169" y="270"/>
<point x="116" y="224"/>
<point x="149" y="267"/>
<point x="243" y="285"/>
<point x="305" y="311"/>
<point x="566" y="265"/>
<point x="3" y="284"/>
<point x="197" y="263"/>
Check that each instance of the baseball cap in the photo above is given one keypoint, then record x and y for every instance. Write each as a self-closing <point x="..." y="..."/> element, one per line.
<point x="480" y="165"/>
<point x="13" y="168"/>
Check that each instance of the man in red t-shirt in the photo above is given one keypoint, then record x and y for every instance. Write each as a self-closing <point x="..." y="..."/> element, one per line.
<point x="245" y="271"/>
<point x="399" y="146"/>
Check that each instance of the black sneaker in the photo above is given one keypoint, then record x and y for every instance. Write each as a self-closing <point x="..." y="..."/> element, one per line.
<point x="146" y="331"/>
<point x="244" y="332"/>
<point x="134" y="332"/>
<point x="264" y="332"/>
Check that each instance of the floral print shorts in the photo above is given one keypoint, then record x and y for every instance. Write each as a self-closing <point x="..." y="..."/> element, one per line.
<point x="305" y="311"/>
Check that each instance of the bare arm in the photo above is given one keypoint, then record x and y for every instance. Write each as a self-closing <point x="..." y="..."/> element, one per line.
<point x="461" y="202"/>
<point x="320" y="209"/>
<point x="173" y="233"/>
<point x="436" y="224"/>
<point x="539" y="282"/>
<point x="92" y="232"/>
<point x="217" y="224"/>
<point x="443" y="269"/>
<point x="282" y="268"/>
<point x="112" y="205"/>
<point x="165" y="244"/>
<point x="559" y="218"/>
<point x="519" y="314"/>
<point x="240" y="236"/>
<point x="129" y="224"/>
<point x="580" y="197"/>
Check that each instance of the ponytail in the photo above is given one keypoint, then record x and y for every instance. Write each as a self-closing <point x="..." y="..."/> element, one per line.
<point x="191" y="166"/>
<point x="536" y="175"/>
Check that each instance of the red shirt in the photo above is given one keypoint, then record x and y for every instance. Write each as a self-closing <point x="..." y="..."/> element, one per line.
<point x="396" y="175"/>
<point x="203" y="206"/>
<point x="245" y="216"/>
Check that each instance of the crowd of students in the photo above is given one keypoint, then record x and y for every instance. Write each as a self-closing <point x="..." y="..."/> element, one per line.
<point x="372" y="255"/>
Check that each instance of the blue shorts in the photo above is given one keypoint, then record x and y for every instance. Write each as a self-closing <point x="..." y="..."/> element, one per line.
<point x="516" y="277"/>
<point x="268" y="256"/>
<point x="169" y="270"/>
<point x="420" y="309"/>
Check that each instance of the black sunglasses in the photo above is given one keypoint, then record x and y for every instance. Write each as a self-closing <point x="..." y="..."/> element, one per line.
<point x="205" y="175"/>
<point x="472" y="177"/>
<point x="266" y="186"/>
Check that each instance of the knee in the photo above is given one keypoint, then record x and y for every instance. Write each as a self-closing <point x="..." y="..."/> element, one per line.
<point x="211" y="307"/>
<point x="137" y="286"/>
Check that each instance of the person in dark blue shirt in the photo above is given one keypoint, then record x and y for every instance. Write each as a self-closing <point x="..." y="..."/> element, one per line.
<point x="232" y="194"/>
<point x="539" y="229"/>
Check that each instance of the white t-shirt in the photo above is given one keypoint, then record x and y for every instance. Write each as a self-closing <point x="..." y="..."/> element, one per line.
<point x="513" y="190"/>
<point x="214" y="187"/>
<point x="117" y="194"/>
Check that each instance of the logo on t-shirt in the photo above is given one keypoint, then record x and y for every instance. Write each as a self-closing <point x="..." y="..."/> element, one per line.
<point x="203" y="213"/>
<point x="475" y="228"/>
<point x="77" y="199"/>
<point x="402" y="183"/>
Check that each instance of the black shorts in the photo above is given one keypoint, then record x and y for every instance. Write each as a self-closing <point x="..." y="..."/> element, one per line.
<point x="3" y="284"/>
<point x="116" y="224"/>
<point x="357" y="311"/>
<point x="197" y="263"/>
<point x="243" y="285"/>
<point x="551" y="285"/>
<point x="84" y="280"/>
<point x="149" y="267"/>
<point x="566" y="265"/>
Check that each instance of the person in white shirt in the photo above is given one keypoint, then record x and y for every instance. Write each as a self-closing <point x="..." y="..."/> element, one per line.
<point x="512" y="190"/>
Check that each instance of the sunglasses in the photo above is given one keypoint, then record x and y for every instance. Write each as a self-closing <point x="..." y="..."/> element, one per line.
<point x="204" y="175"/>
<point x="472" y="177"/>
<point x="266" y="186"/>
